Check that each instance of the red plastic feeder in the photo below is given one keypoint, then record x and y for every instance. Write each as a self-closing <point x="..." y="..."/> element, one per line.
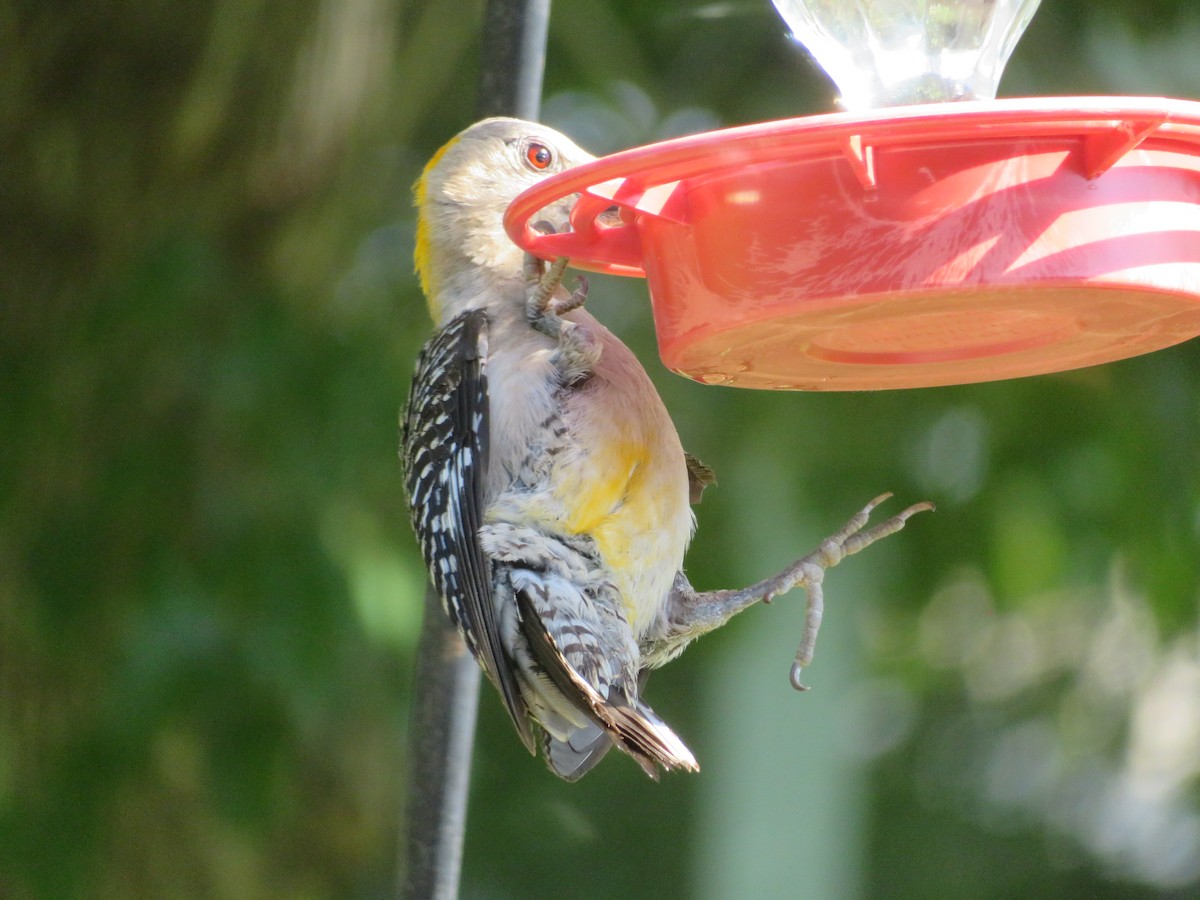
<point x="908" y="247"/>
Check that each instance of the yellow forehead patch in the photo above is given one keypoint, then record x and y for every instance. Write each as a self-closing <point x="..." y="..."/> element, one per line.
<point x="422" y="264"/>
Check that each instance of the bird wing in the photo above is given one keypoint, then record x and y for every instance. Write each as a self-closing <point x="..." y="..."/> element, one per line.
<point x="444" y="446"/>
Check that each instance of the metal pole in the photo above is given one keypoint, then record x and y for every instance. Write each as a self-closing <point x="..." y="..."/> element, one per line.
<point x="442" y="725"/>
<point x="446" y="691"/>
<point x="514" y="57"/>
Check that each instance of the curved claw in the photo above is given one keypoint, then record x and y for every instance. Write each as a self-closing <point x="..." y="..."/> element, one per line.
<point x="886" y="495"/>
<point x="924" y="506"/>
<point x="794" y="677"/>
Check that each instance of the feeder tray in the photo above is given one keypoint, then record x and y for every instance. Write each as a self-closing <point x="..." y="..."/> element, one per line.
<point x="908" y="247"/>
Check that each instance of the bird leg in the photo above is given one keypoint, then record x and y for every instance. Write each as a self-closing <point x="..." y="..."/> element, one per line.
<point x="544" y="301"/>
<point x="693" y="613"/>
<point x="547" y="303"/>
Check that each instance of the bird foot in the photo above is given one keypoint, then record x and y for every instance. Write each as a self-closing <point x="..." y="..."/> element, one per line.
<point x="809" y="571"/>
<point x="546" y="304"/>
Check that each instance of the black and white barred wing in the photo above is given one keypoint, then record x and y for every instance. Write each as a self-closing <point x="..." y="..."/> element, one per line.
<point x="444" y="449"/>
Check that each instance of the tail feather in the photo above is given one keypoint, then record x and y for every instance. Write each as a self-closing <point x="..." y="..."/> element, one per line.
<point x="649" y="740"/>
<point x="574" y="757"/>
<point x="636" y="729"/>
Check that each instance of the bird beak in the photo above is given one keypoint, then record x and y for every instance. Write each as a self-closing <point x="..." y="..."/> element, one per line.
<point x="611" y="216"/>
<point x="555" y="218"/>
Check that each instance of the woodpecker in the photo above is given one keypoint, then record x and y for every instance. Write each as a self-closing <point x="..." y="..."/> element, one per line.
<point x="548" y="489"/>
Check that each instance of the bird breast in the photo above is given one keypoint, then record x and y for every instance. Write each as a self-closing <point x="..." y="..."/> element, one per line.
<point x="599" y="459"/>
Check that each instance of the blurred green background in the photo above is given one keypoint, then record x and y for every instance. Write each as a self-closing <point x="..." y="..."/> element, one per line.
<point x="209" y="593"/>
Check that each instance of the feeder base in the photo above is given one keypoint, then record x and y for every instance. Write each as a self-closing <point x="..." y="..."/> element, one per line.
<point x="937" y="338"/>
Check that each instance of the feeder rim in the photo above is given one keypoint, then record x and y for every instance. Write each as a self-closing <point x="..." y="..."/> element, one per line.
<point x="640" y="180"/>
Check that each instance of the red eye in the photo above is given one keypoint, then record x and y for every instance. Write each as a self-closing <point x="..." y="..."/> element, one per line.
<point x="539" y="156"/>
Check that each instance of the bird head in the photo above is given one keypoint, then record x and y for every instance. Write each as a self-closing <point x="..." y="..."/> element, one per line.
<point x="463" y="193"/>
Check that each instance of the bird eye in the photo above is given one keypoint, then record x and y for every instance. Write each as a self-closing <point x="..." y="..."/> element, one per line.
<point x="538" y="156"/>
